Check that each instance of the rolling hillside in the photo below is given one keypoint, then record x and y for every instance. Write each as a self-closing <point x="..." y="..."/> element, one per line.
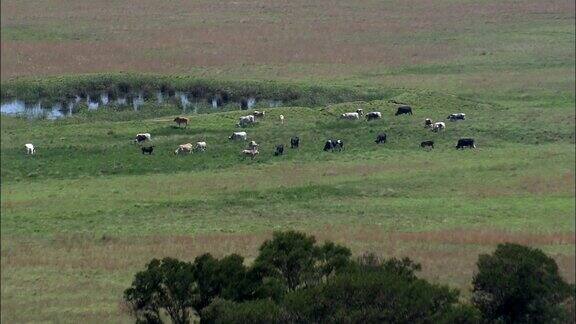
<point x="90" y="200"/>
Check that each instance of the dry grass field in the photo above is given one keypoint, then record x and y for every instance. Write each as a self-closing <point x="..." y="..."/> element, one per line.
<point x="73" y="235"/>
<point x="464" y="46"/>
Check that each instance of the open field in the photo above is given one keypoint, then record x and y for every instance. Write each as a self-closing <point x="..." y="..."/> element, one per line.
<point x="88" y="210"/>
<point x="83" y="215"/>
<point x="493" y="49"/>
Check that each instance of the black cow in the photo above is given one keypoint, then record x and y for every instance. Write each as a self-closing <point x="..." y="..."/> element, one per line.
<point x="279" y="150"/>
<point x="465" y="143"/>
<point x="294" y="142"/>
<point x="147" y="150"/>
<point x="404" y="110"/>
<point x="381" y="138"/>
<point x="333" y="145"/>
<point x="425" y="144"/>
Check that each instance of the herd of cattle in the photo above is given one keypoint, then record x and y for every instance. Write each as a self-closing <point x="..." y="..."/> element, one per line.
<point x="145" y="139"/>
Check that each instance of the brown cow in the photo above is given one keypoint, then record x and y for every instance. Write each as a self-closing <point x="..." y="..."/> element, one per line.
<point x="181" y="120"/>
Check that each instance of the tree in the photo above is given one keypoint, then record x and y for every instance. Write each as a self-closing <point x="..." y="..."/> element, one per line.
<point x="374" y="296"/>
<point x="370" y="262"/>
<point x="262" y="311"/>
<point x="166" y="285"/>
<point x="229" y="278"/>
<point x="371" y="291"/>
<point x="296" y="259"/>
<point x="518" y="284"/>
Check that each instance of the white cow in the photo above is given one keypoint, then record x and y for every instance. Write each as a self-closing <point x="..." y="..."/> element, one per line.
<point x="30" y="148"/>
<point x="246" y="120"/>
<point x="252" y="153"/>
<point x="238" y="136"/>
<point x="350" y="116"/>
<point x="200" y="146"/>
<point x="282" y="119"/>
<point x="184" y="149"/>
<point x="438" y="126"/>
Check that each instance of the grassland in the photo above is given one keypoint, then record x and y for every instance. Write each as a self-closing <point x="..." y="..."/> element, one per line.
<point x="89" y="203"/>
<point x="85" y="213"/>
<point x="489" y="48"/>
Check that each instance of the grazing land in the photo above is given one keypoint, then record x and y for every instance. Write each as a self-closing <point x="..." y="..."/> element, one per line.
<point x="89" y="210"/>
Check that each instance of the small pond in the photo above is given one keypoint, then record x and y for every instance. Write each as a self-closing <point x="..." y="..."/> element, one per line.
<point x="185" y="101"/>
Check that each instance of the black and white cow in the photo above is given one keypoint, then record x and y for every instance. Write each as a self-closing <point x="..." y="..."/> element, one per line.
<point x="279" y="149"/>
<point x="373" y="115"/>
<point x="455" y="117"/>
<point x="465" y="143"/>
<point x="436" y="127"/>
<point x="381" y="138"/>
<point x="404" y="110"/>
<point x="244" y="121"/>
<point x="333" y="145"/>
<point x="295" y="142"/>
<point x="427" y="144"/>
<point x="143" y="137"/>
<point x="238" y="136"/>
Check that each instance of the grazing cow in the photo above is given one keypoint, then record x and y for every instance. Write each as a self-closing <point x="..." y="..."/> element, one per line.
<point x="251" y="153"/>
<point x="200" y="146"/>
<point x="427" y="144"/>
<point x="381" y="138"/>
<point x="404" y="110"/>
<point x="141" y="138"/>
<point x="360" y="111"/>
<point x="465" y="143"/>
<point x="373" y="115"/>
<point x="427" y="122"/>
<point x="147" y="150"/>
<point x="30" y="148"/>
<point x="333" y="145"/>
<point x="259" y="114"/>
<point x="253" y="145"/>
<point x="279" y="149"/>
<point x="282" y="119"/>
<point x="246" y="120"/>
<point x="295" y="142"/>
<point x="350" y="115"/>
<point x="436" y="127"/>
<point x="455" y="117"/>
<point x="238" y="136"/>
<point x="184" y="149"/>
<point x="181" y="120"/>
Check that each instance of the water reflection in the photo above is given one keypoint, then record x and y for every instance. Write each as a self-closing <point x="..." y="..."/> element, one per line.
<point x="135" y="100"/>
